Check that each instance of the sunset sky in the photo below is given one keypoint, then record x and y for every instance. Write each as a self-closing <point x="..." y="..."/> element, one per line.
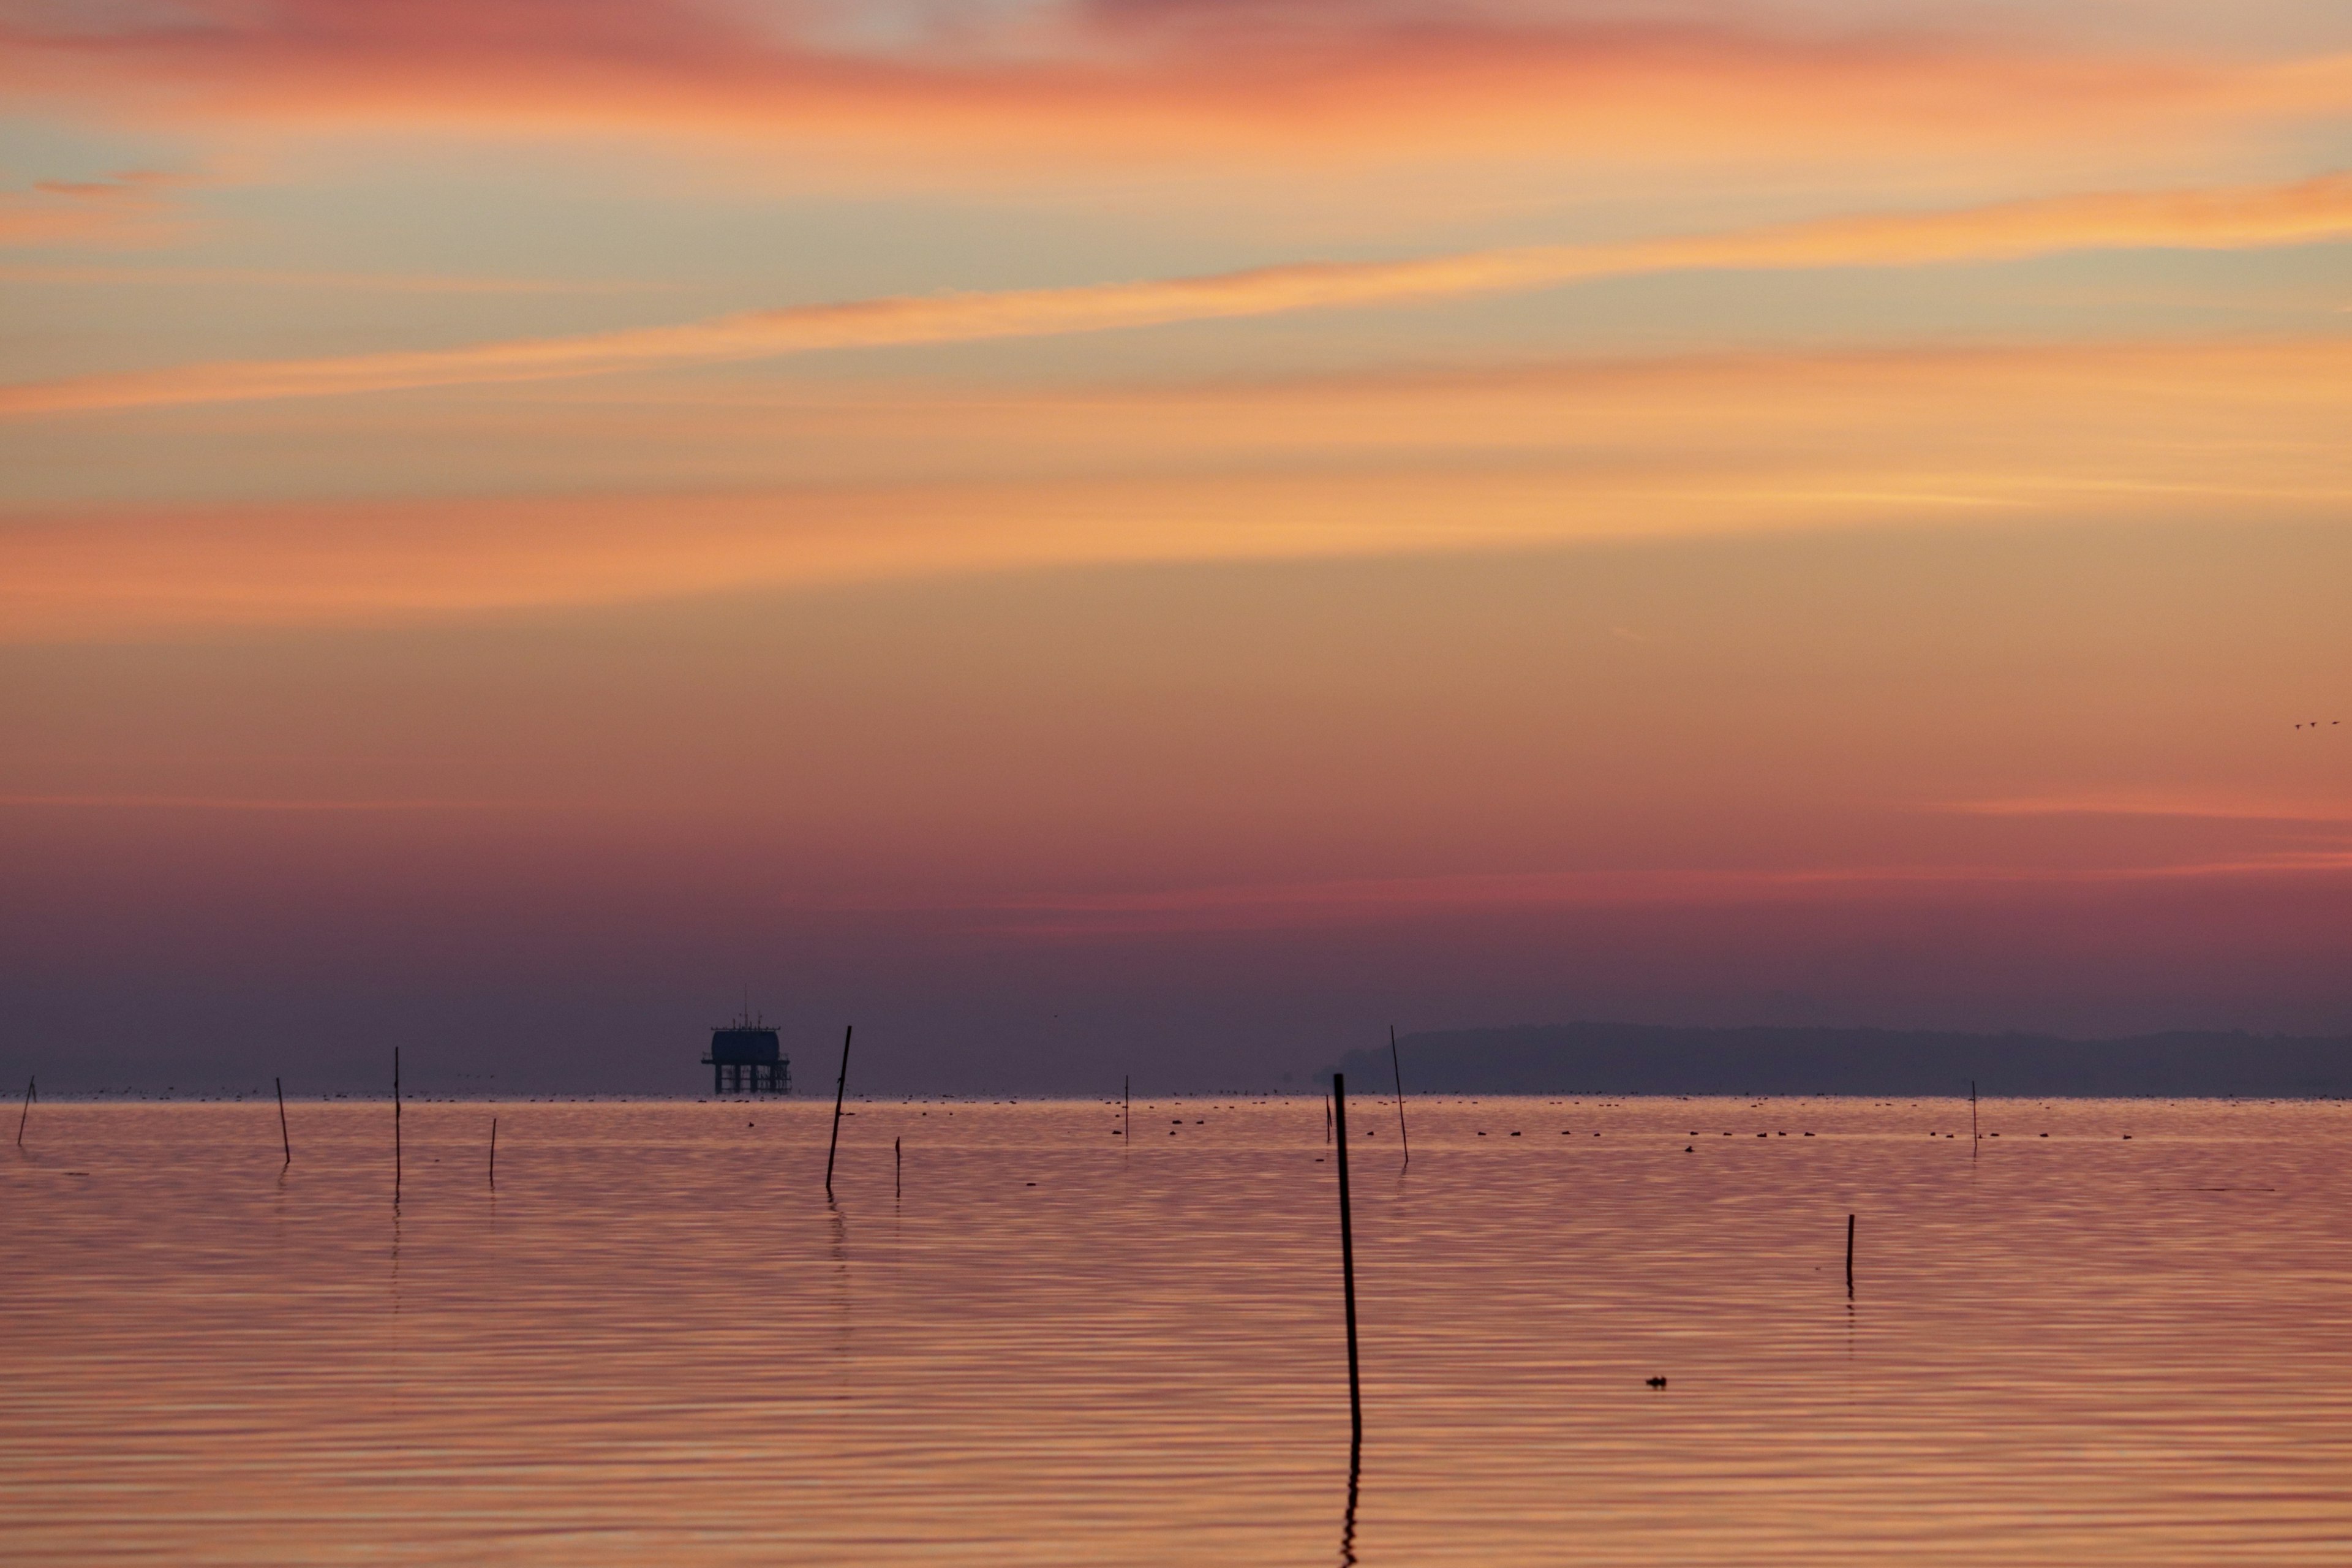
<point x="1094" y="536"/>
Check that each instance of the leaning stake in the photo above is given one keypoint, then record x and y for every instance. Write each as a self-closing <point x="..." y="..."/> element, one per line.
<point x="1397" y="1064"/>
<point x="1849" y="1257"/>
<point x="284" y="1136"/>
<point x="840" y="1087"/>
<point x="1347" y="1255"/>
<point x="24" y="1113"/>
<point x="494" y="1151"/>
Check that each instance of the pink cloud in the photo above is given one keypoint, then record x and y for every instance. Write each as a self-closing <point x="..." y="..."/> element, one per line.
<point x="1187" y="81"/>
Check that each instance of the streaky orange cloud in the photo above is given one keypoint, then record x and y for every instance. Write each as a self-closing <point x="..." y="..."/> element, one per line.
<point x="126" y="210"/>
<point x="255" y="804"/>
<point x="2214" y="809"/>
<point x="1086" y="84"/>
<point x="2155" y="416"/>
<point x="2225" y="218"/>
<point x="2053" y="433"/>
<point x="1285" y="905"/>
<point x="296" y="277"/>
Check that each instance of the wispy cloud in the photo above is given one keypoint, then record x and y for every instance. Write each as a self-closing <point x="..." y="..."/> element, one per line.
<point x="1357" y="901"/>
<point x="1525" y="457"/>
<point x="2225" y="218"/>
<point x="253" y="803"/>
<point x="343" y="282"/>
<point x="127" y="209"/>
<point x="2202" y="807"/>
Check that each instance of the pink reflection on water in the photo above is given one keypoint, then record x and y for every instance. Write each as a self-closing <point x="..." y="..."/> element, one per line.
<point x="657" y="1343"/>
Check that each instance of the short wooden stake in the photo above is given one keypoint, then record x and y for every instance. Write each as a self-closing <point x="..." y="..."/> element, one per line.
<point x="26" y="1112"/>
<point x="283" y="1136"/>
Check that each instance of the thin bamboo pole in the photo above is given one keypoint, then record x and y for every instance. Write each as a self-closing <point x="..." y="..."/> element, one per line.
<point x="1396" y="1064"/>
<point x="1348" y="1256"/>
<point x="840" y="1087"/>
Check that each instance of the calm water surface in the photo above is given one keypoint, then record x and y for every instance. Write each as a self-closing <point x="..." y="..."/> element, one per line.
<point x="656" y="1343"/>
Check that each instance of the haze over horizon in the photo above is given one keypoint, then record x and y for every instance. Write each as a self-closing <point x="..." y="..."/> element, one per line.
<point x="1081" y="536"/>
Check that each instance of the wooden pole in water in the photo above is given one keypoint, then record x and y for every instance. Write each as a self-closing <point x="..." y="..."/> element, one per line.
<point x="897" y="1168"/>
<point x="1972" y="1111"/>
<point x="283" y="1136"/>
<point x="26" y="1112"/>
<point x="840" y="1087"/>
<point x="1126" y="1109"/>
<point x="395" y="1125"/>
<point x="1348" y="1256"/>
<point x="494" y="1151"/>
<point x="1327" y="1117"/>
<point x="1849" y="1255"/>
<point x="1397" y="1064"/>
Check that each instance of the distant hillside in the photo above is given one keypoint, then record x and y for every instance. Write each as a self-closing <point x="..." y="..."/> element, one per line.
<point x="1641" y="1058"/>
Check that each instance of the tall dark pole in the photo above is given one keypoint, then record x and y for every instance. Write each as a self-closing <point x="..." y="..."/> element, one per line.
<point x="1972" y="1111"/>
<point x="494" y="1151"/>
<point x="395" y="1126"/>
<point x="1347" y="1255"/>
<point x="1849" y="1257"/>
<point x="284" y="1136"/>
<point x="840" y="1087"/>
<point x="26" y="1112"/>
<point x="1126" y="1109"/>
<point x="1397" y="1063"/>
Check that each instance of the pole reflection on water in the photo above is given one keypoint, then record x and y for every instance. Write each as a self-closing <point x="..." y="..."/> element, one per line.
<point x="1347" y="1520"/>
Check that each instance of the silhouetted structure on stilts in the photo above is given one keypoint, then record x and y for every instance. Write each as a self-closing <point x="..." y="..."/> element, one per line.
<point x="746" y="1058"/>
